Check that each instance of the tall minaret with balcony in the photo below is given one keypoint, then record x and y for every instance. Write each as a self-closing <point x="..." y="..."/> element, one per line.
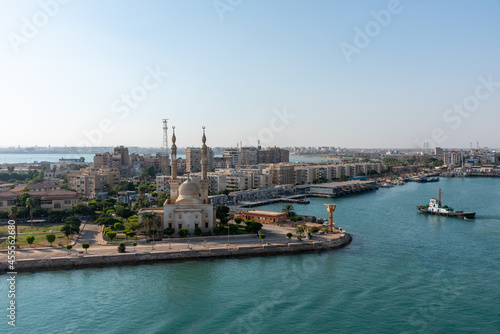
<point x="204" y="182"/>
<point x="174" y="182"/>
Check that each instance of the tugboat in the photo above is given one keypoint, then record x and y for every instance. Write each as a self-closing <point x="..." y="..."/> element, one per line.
<point x="435" y="208"/>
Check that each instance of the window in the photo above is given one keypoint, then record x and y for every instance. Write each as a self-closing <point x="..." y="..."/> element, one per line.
<point x="169" y="224"/>
<point x="206" y="225"/>
<point x="11" y="203"/>
<point x="1" y="204"/>
<point x="180" y="226"/>
<point x="57" y="205"/>
<point x="67" y="202"/>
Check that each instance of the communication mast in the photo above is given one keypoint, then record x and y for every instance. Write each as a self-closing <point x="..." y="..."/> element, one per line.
<point x="165" y="161"/>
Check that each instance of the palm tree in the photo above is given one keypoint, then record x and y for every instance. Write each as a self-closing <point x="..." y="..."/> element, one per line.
<point x="288" y="208"/>
<point x="142" y="191"/>
<point x="30" y="202"/>
<point x="151" y="220"/>
<point x="13" y="214"/>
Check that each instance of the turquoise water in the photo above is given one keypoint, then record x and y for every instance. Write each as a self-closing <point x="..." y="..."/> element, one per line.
<point x="405" y="272"/>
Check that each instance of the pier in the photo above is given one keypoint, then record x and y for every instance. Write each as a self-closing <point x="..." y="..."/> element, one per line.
<point x="296" y="199"/>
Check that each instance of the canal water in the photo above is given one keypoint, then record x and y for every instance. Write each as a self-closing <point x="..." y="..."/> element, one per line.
<point x="405" y="272"/>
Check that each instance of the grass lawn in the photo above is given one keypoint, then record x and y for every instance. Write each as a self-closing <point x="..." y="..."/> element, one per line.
<point x="39" y="231"/>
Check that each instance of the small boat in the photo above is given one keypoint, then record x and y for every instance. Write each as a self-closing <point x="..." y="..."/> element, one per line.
<point x="435" y="208"/>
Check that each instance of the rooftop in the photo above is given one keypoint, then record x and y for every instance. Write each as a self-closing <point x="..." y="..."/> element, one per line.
<point x="264" y="213"/>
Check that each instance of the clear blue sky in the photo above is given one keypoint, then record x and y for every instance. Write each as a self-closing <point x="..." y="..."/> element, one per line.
<point x="233" y="74"/>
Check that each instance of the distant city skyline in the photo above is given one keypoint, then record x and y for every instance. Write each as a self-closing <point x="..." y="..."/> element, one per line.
<point x="377" y="74"/>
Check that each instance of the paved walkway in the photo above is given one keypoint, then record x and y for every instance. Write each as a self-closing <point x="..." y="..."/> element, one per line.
<point x="90" y="233"/>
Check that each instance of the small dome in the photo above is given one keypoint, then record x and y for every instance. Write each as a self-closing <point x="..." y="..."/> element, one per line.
<point x="189" y="193"/>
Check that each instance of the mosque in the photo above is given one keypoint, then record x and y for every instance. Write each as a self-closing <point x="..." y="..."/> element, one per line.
<point x="188" y="206"/>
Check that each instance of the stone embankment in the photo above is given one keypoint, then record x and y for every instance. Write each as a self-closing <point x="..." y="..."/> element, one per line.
<point x="96" y="260"/>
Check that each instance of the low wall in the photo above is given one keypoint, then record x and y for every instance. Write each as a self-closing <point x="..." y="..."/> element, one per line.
<point x="87" y="261"/>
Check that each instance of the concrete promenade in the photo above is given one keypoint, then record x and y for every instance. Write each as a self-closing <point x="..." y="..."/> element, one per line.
<point x="101" y="253"/>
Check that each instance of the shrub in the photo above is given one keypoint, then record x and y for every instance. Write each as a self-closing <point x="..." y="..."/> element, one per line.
<point x="315" y="229"/>
<point x="262" y="236"/>
<point x="121" y="248"/>
<point x="169" y="231"/>
<point x="183" y="232"/>
<point x="289" y="235"/>
<point x="198" y="231"/>
<point x="118" y="226"/>
<point x="131" y="234"/>
<point x="85" y="246"/>
<point x="134" y="244"/>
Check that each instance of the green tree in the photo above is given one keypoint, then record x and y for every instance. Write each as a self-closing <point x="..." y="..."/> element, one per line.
<point x="134" y="244"/>
<point x="262" y="237"/>
<point x="23" y="198"/>
<point x="50" y="238"/>
<point x="85" y="246"/>
<point x="238" y="220"/>
<point x="289" y="235"/>
<point x="30" y="203"/>
<point x="131" y="234"/>
<point x="233" y="228"/>
<point x="118" y="226"/>
<point x="30" y="239"/>
<point x="105" y="219"/>
<point x="183" y="232"/>
<point x="124" y="212"/>
<point x="82" y="209"/>
<point x="222" y="213"/>
<point x="288" y="209"/>
<point x="151" y="171"/>
<point x="111" y="235"/>
<point x="151" y="220"/>
<point x="71" y="225"/>
<point x="121" y="247"/>
<point x="68" y="247"/>
<point x="133" y="224"/>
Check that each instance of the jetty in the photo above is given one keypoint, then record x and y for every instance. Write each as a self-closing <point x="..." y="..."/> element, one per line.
<point x="337" y="189"/>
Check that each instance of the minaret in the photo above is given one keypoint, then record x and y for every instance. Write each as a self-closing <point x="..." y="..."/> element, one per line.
<point x="204" y="170"/>
<point x="174" y="182"/>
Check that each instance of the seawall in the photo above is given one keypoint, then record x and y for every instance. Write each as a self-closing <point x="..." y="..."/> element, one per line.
<point x="89" y="261"/>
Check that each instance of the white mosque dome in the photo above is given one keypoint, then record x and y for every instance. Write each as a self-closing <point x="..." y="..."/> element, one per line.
<point x="189" y="193"/>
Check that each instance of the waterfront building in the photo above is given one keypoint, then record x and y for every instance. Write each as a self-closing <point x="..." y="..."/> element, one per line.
<point x="265" y="217"/>
<point x="282" y="173"/>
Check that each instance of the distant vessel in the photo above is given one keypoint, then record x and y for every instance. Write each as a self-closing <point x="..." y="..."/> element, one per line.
<point x="428" y="179"/>
<point x="435" y="208"/>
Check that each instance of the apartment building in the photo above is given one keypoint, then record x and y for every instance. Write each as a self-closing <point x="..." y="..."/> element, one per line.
<point x="91" y="181"/>
<point x="282" y="173"/>
<point x="193" y="159"/>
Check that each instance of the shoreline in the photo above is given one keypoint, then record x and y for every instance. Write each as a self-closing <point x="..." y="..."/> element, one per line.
<point x="136" y="258"/>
